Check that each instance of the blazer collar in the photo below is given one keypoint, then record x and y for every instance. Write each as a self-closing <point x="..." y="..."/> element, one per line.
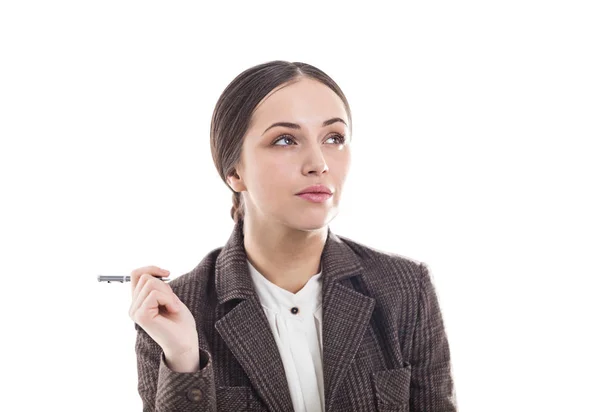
<point x="233" y="280"/>
<point x="246" y="331"/>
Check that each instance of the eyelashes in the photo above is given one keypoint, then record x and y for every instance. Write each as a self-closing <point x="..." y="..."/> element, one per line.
<point x="341" y="139"/>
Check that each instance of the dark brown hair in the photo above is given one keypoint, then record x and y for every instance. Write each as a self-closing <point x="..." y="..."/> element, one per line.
<point x="234" y="109"/>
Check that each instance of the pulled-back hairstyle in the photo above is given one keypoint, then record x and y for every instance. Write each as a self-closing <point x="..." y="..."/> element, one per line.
<point x="234" y="109"/>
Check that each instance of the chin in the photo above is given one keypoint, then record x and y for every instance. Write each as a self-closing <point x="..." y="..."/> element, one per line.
<point x="312" y="222"/>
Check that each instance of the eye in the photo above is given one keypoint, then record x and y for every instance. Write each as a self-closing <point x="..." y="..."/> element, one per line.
<point x="341" y="139"/>
<point x="282" y="137"/>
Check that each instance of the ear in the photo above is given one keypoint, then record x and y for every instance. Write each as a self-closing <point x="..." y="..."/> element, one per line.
<point x="236" y="182"/>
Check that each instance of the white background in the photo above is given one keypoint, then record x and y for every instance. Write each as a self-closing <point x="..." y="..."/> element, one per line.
<point x="475" y="150"/>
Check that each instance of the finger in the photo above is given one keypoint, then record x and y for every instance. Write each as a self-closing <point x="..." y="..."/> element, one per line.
<point x="141" y="283"/>
<point x="152" y="270"/>
<point x="147" y="284"/>
<point x="149" y="308"/>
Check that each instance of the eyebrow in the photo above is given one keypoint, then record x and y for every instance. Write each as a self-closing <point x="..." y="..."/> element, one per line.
<point x="297" y="126"/>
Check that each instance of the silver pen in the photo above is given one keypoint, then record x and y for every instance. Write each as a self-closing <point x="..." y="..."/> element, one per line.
<point x="122" y="279"/>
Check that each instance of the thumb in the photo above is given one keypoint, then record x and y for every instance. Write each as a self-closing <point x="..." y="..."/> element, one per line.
<point x="175" y="305"/>
<point x="171" y="302"/>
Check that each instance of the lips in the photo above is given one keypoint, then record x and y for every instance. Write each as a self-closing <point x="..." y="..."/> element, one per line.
<point x="315" y="197"/>
<point x="316" y="189"/>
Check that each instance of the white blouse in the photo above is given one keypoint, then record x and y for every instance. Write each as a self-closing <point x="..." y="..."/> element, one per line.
<point x="298" y="336"/>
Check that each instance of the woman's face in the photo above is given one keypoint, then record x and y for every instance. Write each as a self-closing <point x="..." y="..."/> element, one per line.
<point x="279" y="162"/>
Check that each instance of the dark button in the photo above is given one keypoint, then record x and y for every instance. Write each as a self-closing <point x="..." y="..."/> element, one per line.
<point x="194" y="394"/>
<point x="294" y="310"/>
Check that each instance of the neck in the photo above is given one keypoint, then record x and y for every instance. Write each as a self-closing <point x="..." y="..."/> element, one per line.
<point x="287" y="257"/>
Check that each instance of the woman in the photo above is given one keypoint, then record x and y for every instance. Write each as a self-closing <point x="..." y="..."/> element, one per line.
<point x="288" y="316"/>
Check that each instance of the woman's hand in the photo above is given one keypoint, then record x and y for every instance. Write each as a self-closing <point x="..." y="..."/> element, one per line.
<point x="163" y="316"/>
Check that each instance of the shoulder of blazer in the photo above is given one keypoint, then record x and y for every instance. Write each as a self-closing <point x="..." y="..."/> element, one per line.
<point x="387" y="269"/>
<point x="198" y="279"/>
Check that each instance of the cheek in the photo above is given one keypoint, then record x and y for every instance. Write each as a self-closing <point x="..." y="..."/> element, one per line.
<point x="274" y="177"/>
<point x="339" y="165"/>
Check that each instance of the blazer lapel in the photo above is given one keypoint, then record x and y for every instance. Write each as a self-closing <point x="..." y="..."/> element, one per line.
<point x="346" y="313"/>
<point x="246" y="331"/>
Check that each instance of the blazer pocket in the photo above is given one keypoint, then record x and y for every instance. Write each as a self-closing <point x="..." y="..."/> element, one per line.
<point x="238" y="398"/>
<point x="392" y="389"/>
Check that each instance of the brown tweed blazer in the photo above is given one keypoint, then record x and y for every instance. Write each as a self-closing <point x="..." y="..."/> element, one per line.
<point x="384" y="343"/>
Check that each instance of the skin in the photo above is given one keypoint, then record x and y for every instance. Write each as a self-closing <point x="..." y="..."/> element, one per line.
<point x="284" y="234"/>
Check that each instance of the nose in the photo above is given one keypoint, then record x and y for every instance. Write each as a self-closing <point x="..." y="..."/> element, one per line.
<point x="316" y="163"/>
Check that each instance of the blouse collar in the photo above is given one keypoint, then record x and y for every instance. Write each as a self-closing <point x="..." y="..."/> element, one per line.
<point x="281" y="301"/>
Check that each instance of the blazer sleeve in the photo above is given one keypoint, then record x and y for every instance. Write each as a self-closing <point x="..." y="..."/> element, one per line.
<point x="163" y="390"/>
<point x="432" y="386"/>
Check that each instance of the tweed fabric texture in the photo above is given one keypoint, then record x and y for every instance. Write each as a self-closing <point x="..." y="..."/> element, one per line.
<point x="384" y="343"/>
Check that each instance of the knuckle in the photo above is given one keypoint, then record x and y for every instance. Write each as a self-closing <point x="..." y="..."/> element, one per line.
<point x="139" y="316"/>
<point x="136" y="317"/>
<point x="135" y="273"/>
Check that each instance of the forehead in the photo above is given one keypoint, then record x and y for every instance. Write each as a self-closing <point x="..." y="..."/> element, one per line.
<point x="304" y="101"/>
